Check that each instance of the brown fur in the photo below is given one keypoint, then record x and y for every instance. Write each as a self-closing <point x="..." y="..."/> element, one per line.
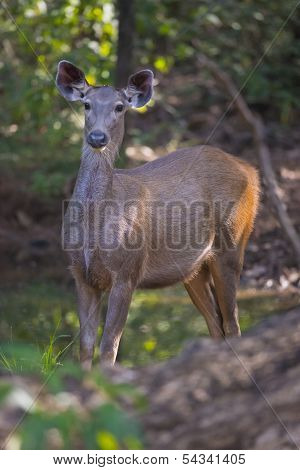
<point x="210" y="271"/>
<point x="213" y="176"/>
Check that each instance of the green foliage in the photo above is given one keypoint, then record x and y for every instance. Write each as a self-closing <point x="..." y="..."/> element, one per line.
<point x="5" y="389"/>
<point x="31" y="311"/>
<point x="48" y="185"/>
<point x="100" y="424"/>
<point x="106" y="427"/>
<point x="38" y="425"/>
<point x="38" y="126"/>
<point x="110" y="429"/>
<point x="237" y="35"/>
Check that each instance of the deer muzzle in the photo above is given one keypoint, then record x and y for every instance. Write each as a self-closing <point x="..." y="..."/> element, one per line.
<point x="97" y="139"/>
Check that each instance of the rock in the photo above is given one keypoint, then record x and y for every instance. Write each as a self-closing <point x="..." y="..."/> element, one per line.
<point x="243" y="393"/>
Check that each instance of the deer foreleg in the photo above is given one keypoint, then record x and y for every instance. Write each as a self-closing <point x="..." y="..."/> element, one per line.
<point x="118" y="306"/>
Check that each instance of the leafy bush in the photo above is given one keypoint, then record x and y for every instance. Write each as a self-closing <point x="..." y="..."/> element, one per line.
<point x="66" y="408"/>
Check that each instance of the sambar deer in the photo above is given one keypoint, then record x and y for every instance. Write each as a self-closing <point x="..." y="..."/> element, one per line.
<point x="183" y="217"/>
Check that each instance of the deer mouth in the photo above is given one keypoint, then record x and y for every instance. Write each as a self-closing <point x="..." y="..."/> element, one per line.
<point x="99" y="149"/>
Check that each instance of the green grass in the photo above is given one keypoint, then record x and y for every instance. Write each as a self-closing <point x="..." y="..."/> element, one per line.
<point x="51" y="356"/>
<point x="39" y="314"/>
<point x="160" y="322"/>
<point x="8" y="363"/>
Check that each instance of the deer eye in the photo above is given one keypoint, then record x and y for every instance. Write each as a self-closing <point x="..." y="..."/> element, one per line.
<point x="119" y="108"/>
<point x="87" y="105"/>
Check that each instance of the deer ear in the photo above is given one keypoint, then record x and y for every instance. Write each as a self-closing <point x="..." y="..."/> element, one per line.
<point x="140" y="88"/>
<point x="71" y="81"/>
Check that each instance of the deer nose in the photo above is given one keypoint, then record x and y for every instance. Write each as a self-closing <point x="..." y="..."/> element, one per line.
<point x="97" y="139"/>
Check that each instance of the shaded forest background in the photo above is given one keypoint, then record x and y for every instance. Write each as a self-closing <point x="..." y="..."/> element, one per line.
<point x="255" y="41"/>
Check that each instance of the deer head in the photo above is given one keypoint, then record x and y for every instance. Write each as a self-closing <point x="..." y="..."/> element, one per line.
<point x="105" y="106"/>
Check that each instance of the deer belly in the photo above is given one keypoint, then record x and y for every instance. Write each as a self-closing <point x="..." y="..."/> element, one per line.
<point x="170" y="267"/>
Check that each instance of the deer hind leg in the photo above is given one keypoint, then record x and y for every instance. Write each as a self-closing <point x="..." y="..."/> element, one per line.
<point x="201" y="293"/>
<point x="225" y="269"/>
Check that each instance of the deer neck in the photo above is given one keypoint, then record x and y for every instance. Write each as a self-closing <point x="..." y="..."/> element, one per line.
<point x="94" y="180"/>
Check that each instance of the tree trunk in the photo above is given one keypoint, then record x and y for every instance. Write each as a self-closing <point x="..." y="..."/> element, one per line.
<point x="125" y="47"/>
